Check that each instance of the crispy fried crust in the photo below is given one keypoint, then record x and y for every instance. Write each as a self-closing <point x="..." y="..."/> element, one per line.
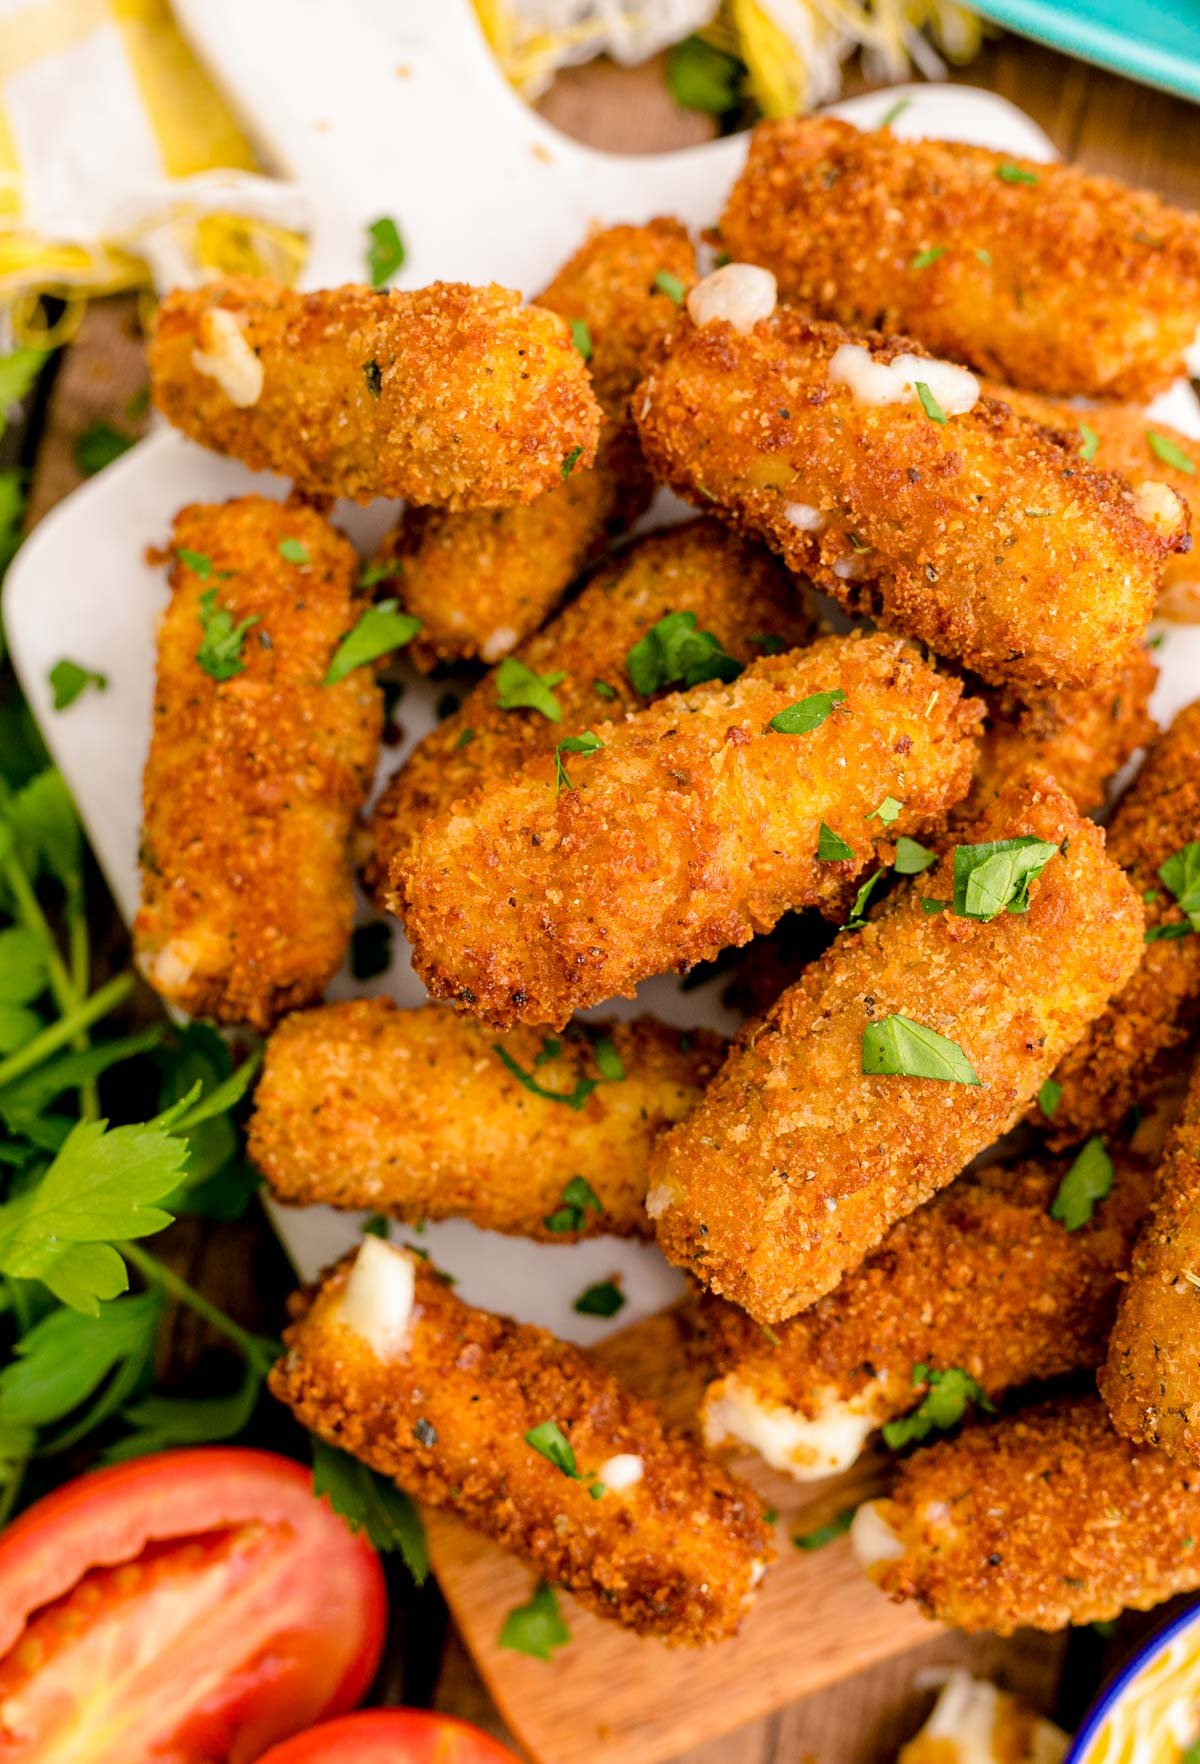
<point x="452" y="395"/>
<point x="981" y="1277"/>
<point x="1081" y="735"/>
<point x="253" y="784"/>
<point x="1128" y="1051"/>
<point x="795" y="1163"/>
<point x="1042" y="1519"/>
<point x="1151" y="1382"/>
<point x="737" y="591"/>
<point x="1054" y="279"/>
<point x="413" y="1113"/>
<point x="984" y="536"/>
<point x="695" y="827"/>
<point x="676" y="1555"/>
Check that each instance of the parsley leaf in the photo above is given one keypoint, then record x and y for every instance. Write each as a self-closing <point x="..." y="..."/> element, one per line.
<point x="220" y="651"/>
<point x="65" y="1357"/>
<point x="806" y="714"/>
<point x="944" y="1404"/>
<point x="825" y="1534"/>
<point x="703" y="77"/>
<point x="670" y="285"/>
<point x="201" y="565"/>
<point x="1089" y="443"/>
<point x="1016" y="174"/>
<point x="24" y="965"/>
<point x="519" y="688"/>
<point x="68" y="680"/>
<point x="1181" y="875"/>
<point x="371" y="949"/>
<point x="536" y="1628"/>
<point x="385" y="253"/>
<point x="609" y="1061"/>
<point x="293" y="551"/>
<point x="581" y="336"/>
<point x="585" y="743"/>
<point x="570" y="461"/>
<point x="1170" y="453"/>
<point x="578" y="1199"/>
<point x="929" y="403"/>
<point x="602" y="689"/>
<point x="887" y="812"/>
<point x="98" y="446"/>
<point x="897" y="1047"/>
<point x="674" y="653"/>
<point x="831" y="847"/>
<point x="857" y="918"/>
<point x="12" y="507"/>
<point x="923" y="259"/>
<point x="380" y="630"/>
<point x="574" y="1099"/>
<point x="1089" y="1180"/>
<point x="160" y="1422"/>
<point x="1049" y="1097"/>
<point x="551" y="1442"/>
<point x="912" y="858"/>
<point x="994" y="878"/>
<point x="604" y="1299"/>
<point x="371" y="1503"/>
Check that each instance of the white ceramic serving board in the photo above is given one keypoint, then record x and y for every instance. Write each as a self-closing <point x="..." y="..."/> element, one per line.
<point x="396" y="107"/>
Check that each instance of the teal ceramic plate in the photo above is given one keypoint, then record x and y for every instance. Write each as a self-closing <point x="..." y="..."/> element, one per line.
<point x="1157" y="44"/>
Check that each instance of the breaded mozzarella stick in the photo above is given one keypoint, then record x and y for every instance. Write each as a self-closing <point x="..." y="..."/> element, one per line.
<point x="692" y="825"/>
<point x="257" y="768"/>
<point x="422" y="1114"/>
<point x="1038" y="1520"/>
<point x="836" y="1114"/>
<point x="887" y="477"/>
<point x="453" y="395"/>
<point x="982" y="1278"/>
<point x="1037" y="274"/>
<point x="609" y="1501"/>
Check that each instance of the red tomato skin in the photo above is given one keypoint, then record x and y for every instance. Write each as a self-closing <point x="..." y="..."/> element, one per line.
<point x="392" y="1736"/>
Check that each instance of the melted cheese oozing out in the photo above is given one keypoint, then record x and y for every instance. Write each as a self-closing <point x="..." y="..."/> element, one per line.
<point x="872" y="1538"/>
<point x="498" y="643"/>
<point x="804" y="516"/>
<point x="228" y="359"/>
<point x="975" y="1723"/>
<point x="377" y="1300"/>
<point x="801" y="1446"/>
<point x="658" y="1199"/>
<point x="1159" y="506"/>
<point x="622" y="1471"/>
<point x="739" y="293"/>
<point x="895" y="382"/>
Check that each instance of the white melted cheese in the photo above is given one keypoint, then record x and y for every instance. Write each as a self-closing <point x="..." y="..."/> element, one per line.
<point x="872" y="1538"/>
<point x="623" y="1471"/>
<point x="498" y="643"/>
<point x="739" y="293"/>
<point x="1160" y="508"/>
<point x="804" y="1447"/>
<point x="804" y="516"/>
<point x="659" y="1198"/>
<point x="973" y="1722"/>
<point x="895" y="382"/>
<point x="377" y="1299"/>
<point x="227" y="358"/>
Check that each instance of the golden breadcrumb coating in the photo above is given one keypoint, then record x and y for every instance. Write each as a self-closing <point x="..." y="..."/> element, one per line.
<point x="415" y="1114"/>
<point x="795" y="1163"/>
<point x="253" y="783"/>
<point x="1038" y="274"/>
<point x="695" y="826"/>
<point x="453" y="395"/>
<point x="1037" y="1520"/>
<point x="675" y="1554"/>
<point x="980" y="1278"/>
<point x="1081" y="735"/>
<point x="736" y="590"/>
<point x="1151" y="1382"/>
<point x="1129" y="1050"/>
<point x="982" y="534"/>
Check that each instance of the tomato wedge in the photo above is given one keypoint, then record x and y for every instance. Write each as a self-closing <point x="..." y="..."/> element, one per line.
<point x="192" y="1606"/>
<point x="392" y="1736"/>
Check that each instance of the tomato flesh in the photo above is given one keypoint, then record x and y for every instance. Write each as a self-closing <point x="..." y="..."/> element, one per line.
<point x="392" y="1736"/>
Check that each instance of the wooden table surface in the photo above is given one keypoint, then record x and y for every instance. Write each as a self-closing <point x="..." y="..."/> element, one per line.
<point x="1107" y="125"/>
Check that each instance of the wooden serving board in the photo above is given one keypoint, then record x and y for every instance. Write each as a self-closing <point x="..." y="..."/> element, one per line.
<point x="610" y="1697"/>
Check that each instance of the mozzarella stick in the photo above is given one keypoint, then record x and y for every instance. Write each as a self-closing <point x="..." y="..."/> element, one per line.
<point x="453" y="395"/>
<point x="1151" y="1381"/>
<point x="733" y="590"/>
<point x="904" y="492"/>
<point x="693" y="825"/>
<point x="257" y="768"/>
<point x="982" y="1279"/>
<point x="530" y="1441"/>
<point x="1037" y="274"/>
<point x="423" y="1114"/>
<point x="906" y="1050"/>
<point x="1134" y="1046"/>
<point x="1036" y="1521"/>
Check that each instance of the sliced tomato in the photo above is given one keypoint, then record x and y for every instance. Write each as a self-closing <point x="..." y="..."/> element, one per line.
<point x="392" y="1736"/>
<point x="191" y="1606"/>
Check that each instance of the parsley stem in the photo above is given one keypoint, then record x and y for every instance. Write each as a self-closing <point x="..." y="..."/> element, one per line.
<point x="252" y="1347"/>
<point x="30" y="913"/>
<point x="88" y="1011"/>
<point x="80" y="955"/>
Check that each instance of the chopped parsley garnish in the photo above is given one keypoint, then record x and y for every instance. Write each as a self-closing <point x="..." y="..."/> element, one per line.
<point x="382" y="569"/>
<point x="896" y="1047"/>
<point x="982" y="255"/>
<point x="674" y="653"/>
<point x="377" y="1225"/>
<point x="570" y="461"/>
<point x="929" y="403"/>
<point x="831" y="847"/>
<point x="857" y="918"/>
<point x="923" y="259"/>
<point x="602" y="689"/>
<point x="769" y="643"/>
<point x="385" y="253"/>
<point x="1089" y="443"/>
<point x="585" y="743"/>
<point x="548" y="1439"/>
<point x="1170" y="453"/>
<point x="668" y="284"/>
<point x="293" y="551"/>
<point x="371" y="949"/>
<point x="1168" y="933"/>
<point x="893" y="111"/>
<point x="574" y="1099"/>
<point x="806" y="714"/>
<point x="381" y="629"/>
<point x="1049" y="1097"/>
<point x="943" y="1405"/>
<point x="1089" y="1180"/>
<point x="68" y="680"/>
<point x="465" y="738"/>
<point x="609" y="1061"/>
<point x="98" y="446"/>
<point x="536" y="1628"/>
<point x="994" y="878"/>
<point x="702" y="77"/>
<point x="579" y="1199"/>
<point x="912" y="857"/>
<point x="826" y="1534"/>
<point x="604" y="1299"/>
<point x="1016" y="174"/>
<point x="201" y="566"/>
<point x="373" y="375"/>
<point x="929" y="906"/>
<point x="220" y="651"/>
<point x="519" y="688"/>
<point x="581" y="336"/>
<point x="887" y="812"/>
